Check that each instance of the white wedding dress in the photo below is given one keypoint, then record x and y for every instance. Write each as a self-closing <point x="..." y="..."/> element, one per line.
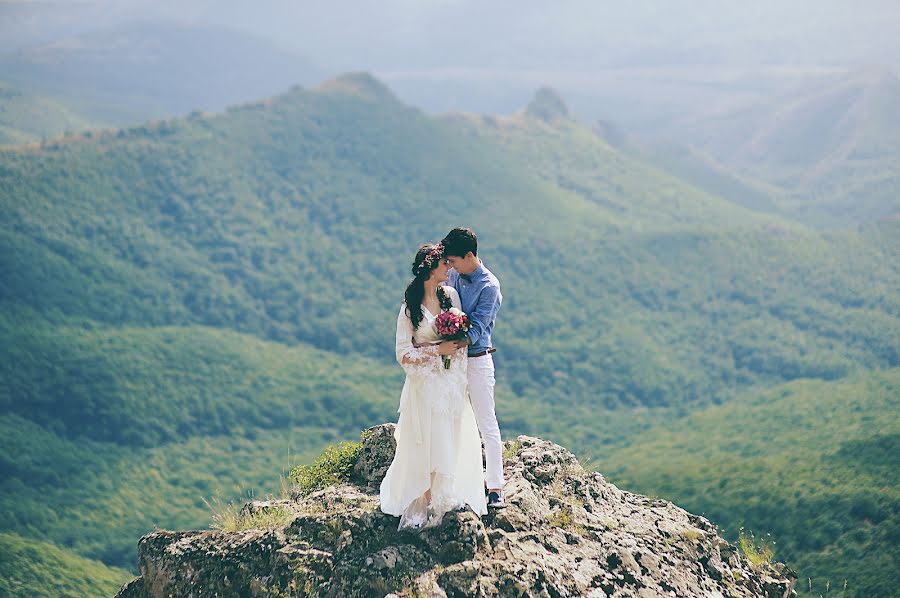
<point x="438" y="445"/>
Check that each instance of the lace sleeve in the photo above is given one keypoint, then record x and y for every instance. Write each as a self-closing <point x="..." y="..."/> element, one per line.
<point x="413" y="359"/>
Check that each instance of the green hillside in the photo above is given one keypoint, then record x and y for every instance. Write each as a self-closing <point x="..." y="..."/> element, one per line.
<point x="184" y="300"/>
<point x="814" y="463"/>
<point x="31" y="568"/>
<point x="280" y="220"/>
<point x="99" y="498"/>
<point x="705" y="173"/>
<point x="107" y="432"/>
<point x="110" y="431"/>
<point x="151" y="386"/>
<point x="830" y="150"/>
<point x="26" y="117"/>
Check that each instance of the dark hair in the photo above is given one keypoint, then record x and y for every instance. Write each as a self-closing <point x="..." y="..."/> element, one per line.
<point x="415" y="290"/>
<point x="459" y="242"/>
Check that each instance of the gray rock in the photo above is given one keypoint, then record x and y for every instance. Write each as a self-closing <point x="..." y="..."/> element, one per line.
<point x="566" y="532"/>
<point x="132" y="589"/>
<point x="378" y="446"/>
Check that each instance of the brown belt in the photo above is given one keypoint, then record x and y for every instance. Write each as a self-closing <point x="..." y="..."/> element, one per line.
<point x="483" y="353"/>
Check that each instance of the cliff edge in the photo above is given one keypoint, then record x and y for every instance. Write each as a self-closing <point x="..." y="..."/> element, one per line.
<point x="565" y="532"/>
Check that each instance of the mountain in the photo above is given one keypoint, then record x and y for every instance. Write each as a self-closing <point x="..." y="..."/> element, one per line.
<point x="565" y="532"/>
<point x="185" y="300"/>
<point x="27" y="117"/>
<point x="813" y="463"/>
<point x="852" y="116"/>
<point x="254" y="219"/>
<point x="704" y="172"/>
<point x="155" y="69"/>
<point x="832" y="147"/>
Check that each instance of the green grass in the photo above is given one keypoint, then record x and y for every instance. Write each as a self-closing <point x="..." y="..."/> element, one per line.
<point x="227" y="516"/>
<point x="511" y="449"/>
<point x="331" y="468"/>
<point x="561" y="517"/>
<point x="758" y="551"/>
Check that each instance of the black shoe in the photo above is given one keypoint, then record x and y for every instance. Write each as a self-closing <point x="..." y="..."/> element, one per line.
<point x="495" y="501"/>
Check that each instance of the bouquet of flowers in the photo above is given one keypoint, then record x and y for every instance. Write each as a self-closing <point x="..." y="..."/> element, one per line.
<point x="452" y="325"/>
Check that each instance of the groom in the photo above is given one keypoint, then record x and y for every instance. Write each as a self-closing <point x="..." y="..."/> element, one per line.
<point x="479" y="291"/>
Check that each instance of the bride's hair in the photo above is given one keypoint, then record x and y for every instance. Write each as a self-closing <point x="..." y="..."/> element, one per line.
<point x="421" y="270"/>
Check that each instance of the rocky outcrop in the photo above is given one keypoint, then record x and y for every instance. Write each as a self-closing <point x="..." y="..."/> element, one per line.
<point x="547" y="105"/>
<point x="565" y="532"/>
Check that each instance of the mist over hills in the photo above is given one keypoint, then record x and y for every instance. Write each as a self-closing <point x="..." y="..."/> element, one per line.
<point x="183" y="298"/>
<point x="831" y="148"/>
<point x="824" y="154"/>
<point x="848" y="115"/>
<point x="642" y="65"/>
<point x="579" y="34"/>
<point x="155" y="69"/>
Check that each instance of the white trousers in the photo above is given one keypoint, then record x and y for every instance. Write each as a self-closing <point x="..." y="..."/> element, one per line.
<point x="481" y="393"/>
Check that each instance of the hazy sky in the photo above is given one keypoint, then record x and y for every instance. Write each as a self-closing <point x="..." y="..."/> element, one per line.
<point x="567" y="35"/>
<point x="640" y="63"/>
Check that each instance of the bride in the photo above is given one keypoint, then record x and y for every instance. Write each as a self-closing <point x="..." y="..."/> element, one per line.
<point x="437" y="466"/>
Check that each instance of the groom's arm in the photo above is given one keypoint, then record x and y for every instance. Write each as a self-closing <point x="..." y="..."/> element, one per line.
<point x="485" y="311"/>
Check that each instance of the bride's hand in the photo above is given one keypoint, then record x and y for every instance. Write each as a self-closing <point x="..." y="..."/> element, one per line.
<point x="447" y="348"/>
<point x="420" y="345"/>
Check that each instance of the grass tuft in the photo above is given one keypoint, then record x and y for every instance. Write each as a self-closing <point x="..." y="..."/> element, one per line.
<point x="827" y="589"/>
<point x="227" y="517"/>
<point x="511" y="450"/>
<point x="691" y="535"/>
<point x="757" y="552"/>
<point x="332" y="467"/>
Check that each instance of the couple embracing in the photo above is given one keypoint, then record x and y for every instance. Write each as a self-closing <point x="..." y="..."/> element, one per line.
<point x="448" y="395"/>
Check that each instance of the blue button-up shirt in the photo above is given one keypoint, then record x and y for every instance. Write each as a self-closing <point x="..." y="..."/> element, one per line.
<point x="479" y="293"/>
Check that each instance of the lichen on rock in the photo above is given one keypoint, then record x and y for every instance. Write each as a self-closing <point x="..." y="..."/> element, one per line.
<point x="565" y="532"/>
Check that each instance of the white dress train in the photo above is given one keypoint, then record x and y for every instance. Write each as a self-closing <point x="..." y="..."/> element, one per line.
<point x="438" y="445"/>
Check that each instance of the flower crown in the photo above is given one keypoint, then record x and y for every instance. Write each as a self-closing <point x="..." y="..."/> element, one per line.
<point x="434" y="255"/>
